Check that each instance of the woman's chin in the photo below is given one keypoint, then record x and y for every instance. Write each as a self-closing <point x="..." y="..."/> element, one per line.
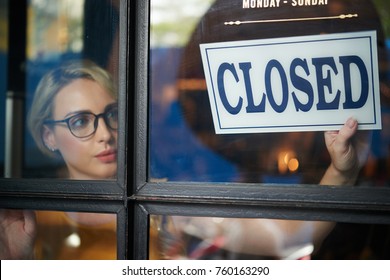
<point x="110" y="175"/>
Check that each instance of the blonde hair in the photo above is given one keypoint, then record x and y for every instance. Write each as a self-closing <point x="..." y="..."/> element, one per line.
<point x="51" y="83"/>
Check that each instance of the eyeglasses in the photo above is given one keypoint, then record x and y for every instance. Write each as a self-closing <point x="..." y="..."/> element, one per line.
<point x="84" y="124"/>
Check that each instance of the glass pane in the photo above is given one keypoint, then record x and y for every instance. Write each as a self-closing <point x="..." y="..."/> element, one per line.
<point x="183" y="143"/>
<point x="70" y="70"/>
<point x="72" y="31"/>
<point x="3" y="75"/>
<point x="54" y="235"/>
<point x="177" y="237"/>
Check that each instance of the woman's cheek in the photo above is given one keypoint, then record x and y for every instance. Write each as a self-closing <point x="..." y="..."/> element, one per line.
<point x="72" y="149"/>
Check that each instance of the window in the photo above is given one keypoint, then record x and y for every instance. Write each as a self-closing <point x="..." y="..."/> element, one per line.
<point x="201" y="187"/>
<point x="62" y="62"/>
<point x="177" y="182"/>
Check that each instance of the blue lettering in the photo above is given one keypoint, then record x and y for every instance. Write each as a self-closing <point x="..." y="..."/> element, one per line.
<point x="323" y="82"/>
<point x="325" y="70"/>
<point x="221" y="87"/>
<point x="301" y="84"/>
<point x="346" y="61"/>
<point x="251" y="108"/>
<point x="274" y="64"/>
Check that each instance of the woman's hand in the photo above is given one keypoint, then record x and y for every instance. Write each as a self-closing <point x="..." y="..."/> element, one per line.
<point x="17" y="234"/>
<point x="348" y="150"/>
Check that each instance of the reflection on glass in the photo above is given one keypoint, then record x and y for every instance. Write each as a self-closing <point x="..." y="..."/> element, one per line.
<point x="180" y="107"/>
<point x="54" y="235"/>
<point x="61" y="33"/>
<point x="176" y="237"/>
<point x="64" y="235"/>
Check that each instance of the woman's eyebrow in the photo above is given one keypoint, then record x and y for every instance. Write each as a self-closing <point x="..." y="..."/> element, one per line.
<point x="113" y="104"/>
<point x="73" y="113"/>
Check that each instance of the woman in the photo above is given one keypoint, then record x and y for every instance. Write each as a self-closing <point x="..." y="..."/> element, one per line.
<point x="73" y="116"/>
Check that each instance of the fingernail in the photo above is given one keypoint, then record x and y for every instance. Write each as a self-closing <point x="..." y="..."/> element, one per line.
<point x="351" y="122"/>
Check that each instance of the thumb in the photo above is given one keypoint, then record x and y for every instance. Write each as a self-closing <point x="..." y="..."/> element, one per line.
<point x="347" y="130"/>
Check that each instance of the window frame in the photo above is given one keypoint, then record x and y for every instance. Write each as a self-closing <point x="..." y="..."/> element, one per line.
<point x="103" y="196"/>
<point x="134" y="199"/>
<point x="354" y="204"/>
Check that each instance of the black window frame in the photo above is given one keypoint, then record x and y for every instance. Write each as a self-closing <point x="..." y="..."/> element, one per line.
<point x="105" y="196"/>
<point x="353" y="204"/>
<point x="134" y="199"/>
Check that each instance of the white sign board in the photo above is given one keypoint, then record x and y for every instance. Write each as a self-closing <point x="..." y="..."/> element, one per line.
<point x="307" y="83"/>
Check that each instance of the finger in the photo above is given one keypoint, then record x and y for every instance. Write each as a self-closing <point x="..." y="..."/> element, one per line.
<point x="347" y="130"/>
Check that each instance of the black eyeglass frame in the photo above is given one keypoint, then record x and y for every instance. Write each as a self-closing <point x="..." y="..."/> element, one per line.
<point x="103" y="115"/>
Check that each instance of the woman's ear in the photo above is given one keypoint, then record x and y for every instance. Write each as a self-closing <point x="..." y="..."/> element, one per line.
<point x="48" y="138"/>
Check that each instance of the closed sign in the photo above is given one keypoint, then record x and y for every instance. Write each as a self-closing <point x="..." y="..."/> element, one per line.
<point x="308" y="83"/>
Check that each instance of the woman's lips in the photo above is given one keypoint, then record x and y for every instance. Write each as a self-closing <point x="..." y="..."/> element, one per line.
<point x="107" y="156"/>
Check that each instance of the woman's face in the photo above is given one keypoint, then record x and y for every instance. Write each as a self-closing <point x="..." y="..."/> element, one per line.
<point x="93" y="157"/>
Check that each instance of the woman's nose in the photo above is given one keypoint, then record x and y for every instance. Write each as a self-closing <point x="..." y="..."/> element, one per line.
<point x="103" y="132"/>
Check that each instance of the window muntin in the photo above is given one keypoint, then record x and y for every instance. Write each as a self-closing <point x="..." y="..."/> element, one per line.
<point x="179" y="106"/>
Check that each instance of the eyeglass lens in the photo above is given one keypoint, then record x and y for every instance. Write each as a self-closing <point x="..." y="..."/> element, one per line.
<point x="85" y="124"/>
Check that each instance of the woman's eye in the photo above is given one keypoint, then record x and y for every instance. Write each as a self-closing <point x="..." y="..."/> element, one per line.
<point x="80" y="121"/>
<point x="113" y="114"/>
